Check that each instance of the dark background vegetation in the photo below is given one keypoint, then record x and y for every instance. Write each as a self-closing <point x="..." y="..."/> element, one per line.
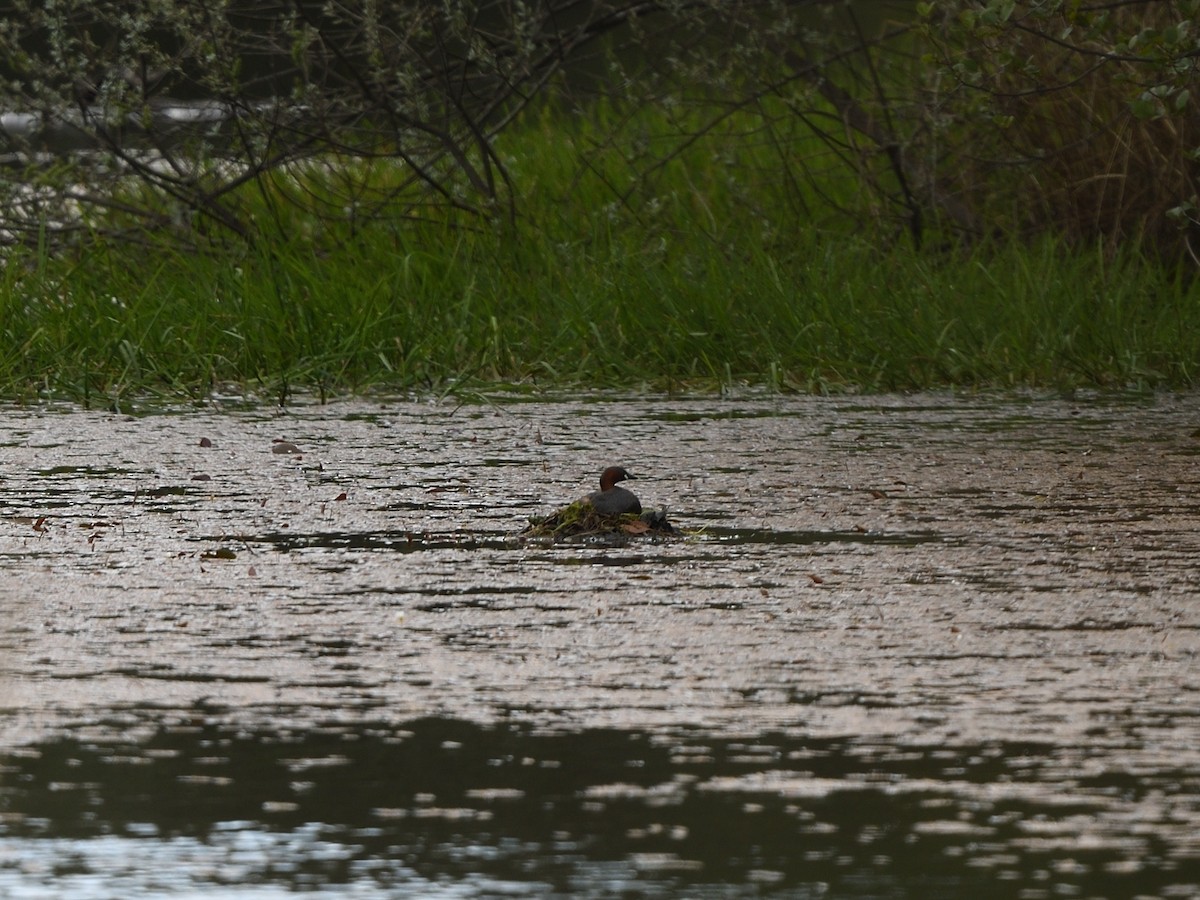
<point x="200" y="197"/>
<point x="922" y="121"/>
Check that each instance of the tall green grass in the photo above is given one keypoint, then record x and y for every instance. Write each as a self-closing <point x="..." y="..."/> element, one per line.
<point x="710" y="278"/>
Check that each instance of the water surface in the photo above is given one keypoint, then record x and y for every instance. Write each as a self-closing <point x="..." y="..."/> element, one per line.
<point x="926" y="646"/>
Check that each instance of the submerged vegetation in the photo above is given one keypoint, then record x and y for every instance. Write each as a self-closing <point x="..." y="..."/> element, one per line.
<point x="948" y="194"/>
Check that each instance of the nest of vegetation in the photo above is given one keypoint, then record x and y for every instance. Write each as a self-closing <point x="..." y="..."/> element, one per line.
<point x="580" y="520"/>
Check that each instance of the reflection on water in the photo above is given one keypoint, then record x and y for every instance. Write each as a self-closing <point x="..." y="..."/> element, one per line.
<point x="444" y="807"/>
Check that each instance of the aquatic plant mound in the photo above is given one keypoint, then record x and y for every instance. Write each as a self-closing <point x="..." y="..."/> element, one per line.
<point x="581" y="519"/>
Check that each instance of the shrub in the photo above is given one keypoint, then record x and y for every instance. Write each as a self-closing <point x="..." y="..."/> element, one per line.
<point x="1070" y="118"/>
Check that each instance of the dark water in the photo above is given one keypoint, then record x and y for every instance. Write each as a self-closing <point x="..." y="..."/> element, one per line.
<point x="910" y="647"/>
<point x="447" y="807"/>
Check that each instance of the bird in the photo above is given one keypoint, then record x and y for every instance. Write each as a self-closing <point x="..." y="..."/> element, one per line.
<point x="611" y="500"/>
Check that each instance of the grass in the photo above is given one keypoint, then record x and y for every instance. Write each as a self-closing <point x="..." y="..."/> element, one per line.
<point x="712" y="280"/>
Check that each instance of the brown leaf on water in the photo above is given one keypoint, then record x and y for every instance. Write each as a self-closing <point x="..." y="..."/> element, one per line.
<point x="205" y="442"/>
<point x="281" y="446"/>
<point x="635" y="527"/>
<point x="341" y="496"/>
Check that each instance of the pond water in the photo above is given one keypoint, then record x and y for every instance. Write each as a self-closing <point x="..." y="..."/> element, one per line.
<point x="909" y="646"/>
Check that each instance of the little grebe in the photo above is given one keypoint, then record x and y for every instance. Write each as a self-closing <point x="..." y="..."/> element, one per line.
<point x="611" y="500"/>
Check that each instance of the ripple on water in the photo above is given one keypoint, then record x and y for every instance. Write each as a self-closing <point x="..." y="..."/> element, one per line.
<point x="909" y="646"/>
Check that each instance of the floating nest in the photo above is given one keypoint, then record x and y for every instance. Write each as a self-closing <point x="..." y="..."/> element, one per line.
<point x="580" y="520"/>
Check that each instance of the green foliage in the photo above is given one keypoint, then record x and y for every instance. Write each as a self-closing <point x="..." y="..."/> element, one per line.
<point x="238" y="122"/>
<point x="702" y="291"/>
<point x="999" y="192"/>
<point x="1077" y="120"/>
